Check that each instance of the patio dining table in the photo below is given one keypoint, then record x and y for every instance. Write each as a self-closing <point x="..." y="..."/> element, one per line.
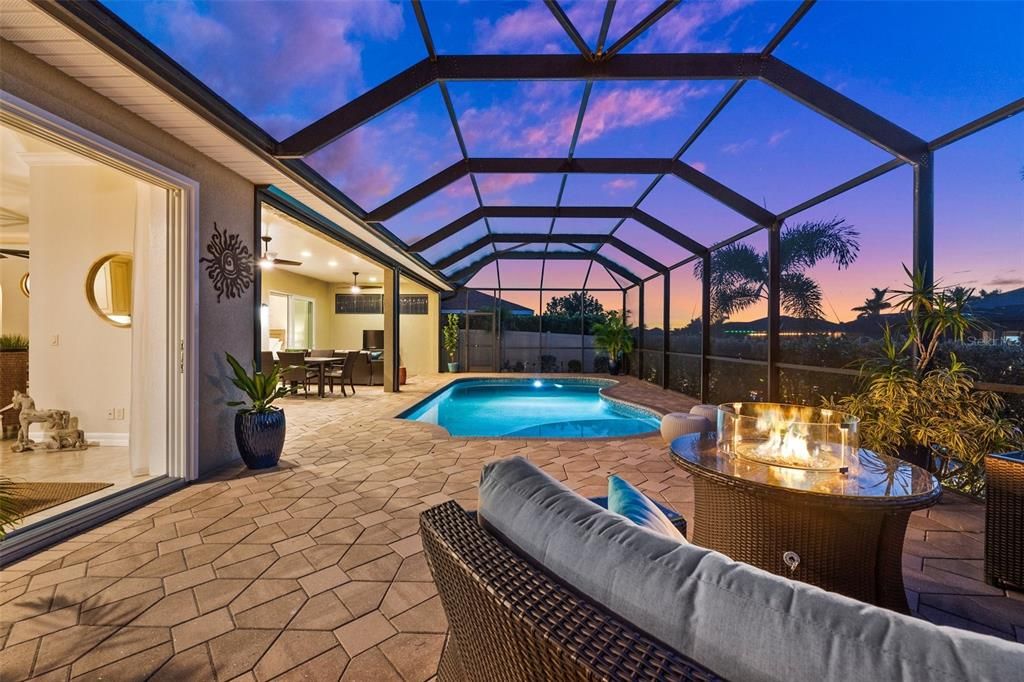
<point x="321" y="364"/>
<point x="841" y="531"/>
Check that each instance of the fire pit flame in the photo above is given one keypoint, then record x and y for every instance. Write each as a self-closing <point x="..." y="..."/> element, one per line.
<point x="790" y="436"/>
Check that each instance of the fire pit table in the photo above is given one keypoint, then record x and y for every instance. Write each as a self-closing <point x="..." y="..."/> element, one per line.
<point x="824" y="512"/>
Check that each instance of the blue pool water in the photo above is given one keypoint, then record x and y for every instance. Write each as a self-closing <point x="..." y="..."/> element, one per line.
<point x="532" y="408"/>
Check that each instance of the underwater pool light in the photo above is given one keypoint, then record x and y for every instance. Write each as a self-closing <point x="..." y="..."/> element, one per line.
<point x="537" y="383"/>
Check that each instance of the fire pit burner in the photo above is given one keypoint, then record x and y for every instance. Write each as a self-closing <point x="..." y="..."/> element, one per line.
<point x="792" y="436"/>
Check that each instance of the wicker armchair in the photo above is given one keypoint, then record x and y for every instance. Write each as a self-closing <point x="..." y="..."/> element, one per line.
<point x="510" y="620"/>
<point x="1004" y="520"/>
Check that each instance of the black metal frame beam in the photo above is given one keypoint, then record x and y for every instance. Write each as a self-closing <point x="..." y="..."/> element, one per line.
<point x="513" y="67"/>
<point x="566" y="23"/>
<point x="544" y="238"/>
<point x="464" y="274"/>
<point x="644" y="24"/>
<point x="623" y="166"/>
<point x="624" y="212"/>
<point x="789" y="80"/>
<point x="840" y="109"/>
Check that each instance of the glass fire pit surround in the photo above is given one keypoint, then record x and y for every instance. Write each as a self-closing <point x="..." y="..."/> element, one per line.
<point x="793" y="436"/>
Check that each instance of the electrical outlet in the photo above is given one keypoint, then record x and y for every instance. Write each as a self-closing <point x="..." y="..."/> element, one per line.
<point x="111" y="414"/>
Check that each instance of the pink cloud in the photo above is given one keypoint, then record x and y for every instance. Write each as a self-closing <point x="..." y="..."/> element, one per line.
<point x="681" y="29"/>
<point x="353" y="164"/>
<point x="619" y="184"/>
<point x="735" y="148"/>
<point x="490" y="184"/>
<point x="543" y="130"/>
<point x="532" y="28"/>
<point x="268" y="57"/>
<point x="631" y="106"/>
<point x="777" y="137"/>
<point x="700" y="165"/>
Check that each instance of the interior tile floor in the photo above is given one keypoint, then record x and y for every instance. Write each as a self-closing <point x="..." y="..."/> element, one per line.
<point x="315" y="571"/>
<point x="97" y="464"/>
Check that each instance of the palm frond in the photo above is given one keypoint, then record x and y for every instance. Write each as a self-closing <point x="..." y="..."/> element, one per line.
<point x="805" y="244"/>
<point x="801" y="295"/>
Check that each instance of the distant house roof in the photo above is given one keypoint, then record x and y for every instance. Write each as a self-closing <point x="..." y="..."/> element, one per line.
<point x="786" y="324"/>
<point x="1004" y="310"/>
<point x="478" y="300"/>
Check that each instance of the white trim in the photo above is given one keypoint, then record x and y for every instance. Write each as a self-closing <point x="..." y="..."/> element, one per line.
<point x="183" y="221"/>
<point x="115" y="440"/>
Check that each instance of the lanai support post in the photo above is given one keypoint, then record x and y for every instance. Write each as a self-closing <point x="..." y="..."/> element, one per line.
<point x="924" y="218"/>
<point x="392" y="342"/>
<point x="705" y="327"/>
<point x="774" y="309"/>
<point x="665" y="336"/>
<point x="640" y="336"/>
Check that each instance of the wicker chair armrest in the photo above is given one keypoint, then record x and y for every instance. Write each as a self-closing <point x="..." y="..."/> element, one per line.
<point x="512" y="620"/>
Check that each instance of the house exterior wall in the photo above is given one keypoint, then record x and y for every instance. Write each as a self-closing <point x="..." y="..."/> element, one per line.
<point x="224" y="198"/>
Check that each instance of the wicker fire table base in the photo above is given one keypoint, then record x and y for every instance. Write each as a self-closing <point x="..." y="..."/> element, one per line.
<point x="849" y="551"/>
<point x="844" y="533"/>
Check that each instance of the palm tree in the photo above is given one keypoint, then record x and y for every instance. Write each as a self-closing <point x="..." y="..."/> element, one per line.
<point x="873" y="306"/>
<point x="739" y="273"/>
<point x="615" y="337"/>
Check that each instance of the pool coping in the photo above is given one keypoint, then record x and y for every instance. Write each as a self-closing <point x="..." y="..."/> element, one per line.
<point x="606" y="384"/>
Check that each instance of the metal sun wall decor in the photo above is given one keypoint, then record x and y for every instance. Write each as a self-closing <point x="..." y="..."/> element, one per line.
<point x="229" y="264"/>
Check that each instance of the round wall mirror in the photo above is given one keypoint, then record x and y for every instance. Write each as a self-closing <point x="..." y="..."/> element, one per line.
<point x="25" y="285"/>
<point x="108" y="286"/>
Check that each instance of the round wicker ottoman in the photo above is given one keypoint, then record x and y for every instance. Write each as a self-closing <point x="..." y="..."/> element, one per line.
<point x="709" y="412"/>
<point x="678" y="424"/>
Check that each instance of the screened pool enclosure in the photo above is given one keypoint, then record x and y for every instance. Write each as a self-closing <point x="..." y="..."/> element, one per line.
<point x="746" y="182"/>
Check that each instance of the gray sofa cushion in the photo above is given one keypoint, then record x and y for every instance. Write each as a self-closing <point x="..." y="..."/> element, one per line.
<point x="743" y="623"/>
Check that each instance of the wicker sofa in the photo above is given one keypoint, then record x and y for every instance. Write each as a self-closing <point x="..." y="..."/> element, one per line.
<point x="509" y="620"/>
<point x="542" y="584"/>
<point x="367" y="372"/>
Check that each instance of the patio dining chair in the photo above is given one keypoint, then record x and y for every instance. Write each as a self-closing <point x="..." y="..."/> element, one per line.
<point x="293" y="370"/>
<point x="266" y="360"/>
<point x="343" y="374"/>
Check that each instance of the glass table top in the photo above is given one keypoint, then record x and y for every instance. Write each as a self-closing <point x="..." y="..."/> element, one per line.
<point x="870" y="476"/>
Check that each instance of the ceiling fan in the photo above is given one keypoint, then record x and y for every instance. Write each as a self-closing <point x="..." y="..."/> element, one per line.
<point x="269" y="258"/>
<point x="13" y="253"/>
<point x="358" y="288"/>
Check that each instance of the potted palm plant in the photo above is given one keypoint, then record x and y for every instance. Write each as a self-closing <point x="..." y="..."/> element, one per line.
<point x="451" y="341"/>
<point x="259" y="426"/>
<point x="615" y="338"/>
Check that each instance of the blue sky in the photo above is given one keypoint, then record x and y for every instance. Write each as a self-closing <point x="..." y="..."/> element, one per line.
<point x="928" y="66"/>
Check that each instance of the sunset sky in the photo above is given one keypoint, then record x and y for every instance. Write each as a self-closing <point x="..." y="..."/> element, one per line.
<point x="927" y="66"/>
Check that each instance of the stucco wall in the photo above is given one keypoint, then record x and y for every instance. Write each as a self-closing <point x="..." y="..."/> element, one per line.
<point x="224" y="197"/>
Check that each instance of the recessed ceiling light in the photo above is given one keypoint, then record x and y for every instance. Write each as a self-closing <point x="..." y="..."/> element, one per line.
<point x="373" y="279"/>
<point x="332" y="263"/>
<point x="305" y="254"/>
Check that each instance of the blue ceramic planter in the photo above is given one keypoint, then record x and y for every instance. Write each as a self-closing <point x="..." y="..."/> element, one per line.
<point x="260" y="437"/>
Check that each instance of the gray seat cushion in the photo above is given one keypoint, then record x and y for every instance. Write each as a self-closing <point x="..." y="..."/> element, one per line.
<point x="743" y="623"/>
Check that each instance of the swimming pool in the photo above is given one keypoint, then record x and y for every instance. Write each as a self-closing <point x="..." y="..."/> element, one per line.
<point x="532" y="408"/>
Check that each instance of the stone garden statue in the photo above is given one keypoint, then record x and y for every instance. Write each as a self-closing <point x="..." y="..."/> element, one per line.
<point x="60" y="429"/>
